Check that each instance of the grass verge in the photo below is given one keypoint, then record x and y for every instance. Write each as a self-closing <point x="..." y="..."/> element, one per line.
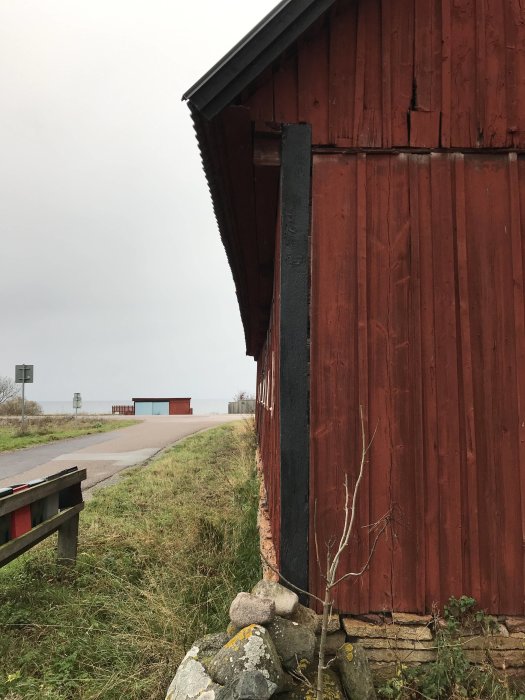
<point x="161" y="555"/>
<point x="41" y="430"/>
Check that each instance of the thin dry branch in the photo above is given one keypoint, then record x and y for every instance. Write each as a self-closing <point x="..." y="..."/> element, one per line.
<point x="289" y="583"/>
<point x="351" y="574"/>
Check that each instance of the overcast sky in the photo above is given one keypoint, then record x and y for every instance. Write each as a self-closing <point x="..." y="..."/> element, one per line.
<point x="113" y="279"/>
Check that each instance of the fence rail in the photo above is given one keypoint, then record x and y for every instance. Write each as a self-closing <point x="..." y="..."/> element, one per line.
<point x="33" y="512"/>
<point x="123" y="410"/>
<point x="242" y="406"/>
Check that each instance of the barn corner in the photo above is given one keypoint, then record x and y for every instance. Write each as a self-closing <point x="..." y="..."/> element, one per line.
<point x="367" y="166"/>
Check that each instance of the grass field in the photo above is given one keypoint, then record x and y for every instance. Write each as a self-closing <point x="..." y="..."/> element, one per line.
<point x="43" y="429"/>
<point x="161" y="555"/>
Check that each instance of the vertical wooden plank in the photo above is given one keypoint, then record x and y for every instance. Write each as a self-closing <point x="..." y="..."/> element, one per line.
<point x="285" y="91"/>
<point x="448" y="484"/>
<point x="362" y="354"/>
<point x="334" y="360"/>
<point x="446" y="77"/>
<point x="260" y="101"/>
<point x="428" y="363"/>
<point x="425" y="115"/>
<point x="399" y="27"/>
<point x="516" y="426"/>
<point x="386" y="72"/>
<point x="480" y="254"/>
<point x="402" y="480"/>
<point x="511" y="11"/>
<point x="495" y="133"/>
<point x="516" y="87"/>
<point x="480" y="71"/>
<point x="360" y="61"/>
<point x="68" y="541"/>
<point x="416" y="400"/>
<point x="343" y="45"/>
<point x="294" y="355"/>
<point x="506" y="500"/>
<point x="313" y="81"/>
<point x="518" y="250"/>
<point x="463" y="67"/>
<point x="424" y="129"/>
<point x="471" y="572"/>
<point x="369" y="52"/>
<point x="427" y="55"/>
<point x="378" y="187"/>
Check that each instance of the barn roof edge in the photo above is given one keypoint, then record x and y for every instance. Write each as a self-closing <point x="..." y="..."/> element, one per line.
<point x="253" y="54"/>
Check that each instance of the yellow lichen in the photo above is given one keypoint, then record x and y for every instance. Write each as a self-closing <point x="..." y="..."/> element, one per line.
<point x="240" y="637"/>
<point x="303" y="665"/>
<point x="348" y="651"/>
<point x="330" y="691"/>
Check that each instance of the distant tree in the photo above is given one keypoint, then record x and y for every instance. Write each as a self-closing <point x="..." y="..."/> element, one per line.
<point x="8" y="390"/>
<point x="13" y="407"/>
<point x="243" y="396"/>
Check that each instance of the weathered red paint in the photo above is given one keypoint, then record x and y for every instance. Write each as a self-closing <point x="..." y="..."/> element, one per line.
<point x="410" y="73"/>
<point x="417" y="296"/>
<point x="417" y="315"/>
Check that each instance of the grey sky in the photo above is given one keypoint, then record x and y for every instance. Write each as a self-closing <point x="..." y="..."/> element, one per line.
<point x="113" y="279"/>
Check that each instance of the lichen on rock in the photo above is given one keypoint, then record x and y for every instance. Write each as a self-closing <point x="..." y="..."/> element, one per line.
<point x="252" y="649"/>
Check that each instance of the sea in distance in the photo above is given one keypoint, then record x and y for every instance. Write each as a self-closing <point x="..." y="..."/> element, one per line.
<point x="201" y="407"/>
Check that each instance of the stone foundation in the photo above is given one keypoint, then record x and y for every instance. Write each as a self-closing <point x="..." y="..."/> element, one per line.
<point x="265" y="528"/>
<point x="390" y="640"/>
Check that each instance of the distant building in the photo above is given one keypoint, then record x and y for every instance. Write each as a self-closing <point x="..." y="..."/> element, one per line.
<point x="163" y="407"/>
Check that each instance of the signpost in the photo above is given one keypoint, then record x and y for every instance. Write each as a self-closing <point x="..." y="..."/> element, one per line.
<point x="77" y="402"/>
<point x="23" y="376"/>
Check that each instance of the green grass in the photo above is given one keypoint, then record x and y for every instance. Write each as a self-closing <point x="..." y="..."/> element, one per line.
<point x="161" y="555"/>
<point x="44" y="429"/>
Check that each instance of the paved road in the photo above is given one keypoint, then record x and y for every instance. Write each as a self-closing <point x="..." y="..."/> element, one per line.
<point x="105" y="454"/>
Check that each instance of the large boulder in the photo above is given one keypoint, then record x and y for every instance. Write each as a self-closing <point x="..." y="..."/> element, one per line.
<point x="307" y="617"/>
<point x="295" y="643"/>
<point x="192" y="680"/>
<point x="252" y="649"/>
<point x="286" y="601"/>
<point x="355" y="672"/>
<point x="208" y="646"/>
<point x="248" y="609"/>
<point x="251" y="685"/>
<point x="334" y="641"/>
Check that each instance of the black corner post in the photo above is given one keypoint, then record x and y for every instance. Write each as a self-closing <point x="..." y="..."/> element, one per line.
<point x="296" y="173"/>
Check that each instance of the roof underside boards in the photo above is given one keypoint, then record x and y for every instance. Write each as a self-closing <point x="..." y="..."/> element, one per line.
<point x="253" y="54"/>
<point x="245" y="201"/>
<point x="245" y="196"/>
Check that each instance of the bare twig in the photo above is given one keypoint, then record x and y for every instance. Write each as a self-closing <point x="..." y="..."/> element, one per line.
<point x="289" y="583"/>
<point x="351" y="574"/>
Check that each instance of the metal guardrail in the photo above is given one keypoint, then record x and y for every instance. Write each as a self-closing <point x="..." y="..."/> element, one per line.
<point x="34" y="511"/>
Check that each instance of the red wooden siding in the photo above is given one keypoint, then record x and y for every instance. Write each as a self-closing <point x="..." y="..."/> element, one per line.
<point x="267" y="412"/>
<point x="180" y="407"/>
<point x="418" y="73"/>
<point x="418" y="315"/>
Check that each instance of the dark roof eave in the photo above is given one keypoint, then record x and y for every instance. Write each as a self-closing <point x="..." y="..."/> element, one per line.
<point x="253" y="54"/>
<point x="203" y="127"/>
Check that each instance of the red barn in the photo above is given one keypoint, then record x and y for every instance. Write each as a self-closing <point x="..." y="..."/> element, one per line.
<point x="366" y="162"/>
